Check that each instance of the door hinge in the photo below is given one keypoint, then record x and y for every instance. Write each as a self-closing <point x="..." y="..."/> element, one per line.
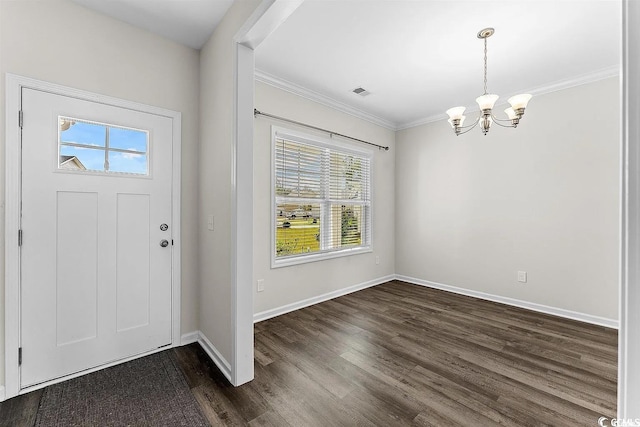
<point x="19" y="356"/>
<point x="20" y="118"/>
<point x="19" y="237"/>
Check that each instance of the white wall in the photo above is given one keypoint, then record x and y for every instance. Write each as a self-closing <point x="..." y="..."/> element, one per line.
<point x="473" y="210"/>
<point x="629" y="349"/>
<point x="61" y="42"/>
<point x="288" y="285"/>
<point x="468" y="211"/>
<point x="215" y="165"/>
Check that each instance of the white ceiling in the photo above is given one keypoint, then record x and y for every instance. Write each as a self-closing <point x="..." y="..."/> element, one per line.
<point x="419" y="58"/>
<point x="188" y="22"/>
<point x="416" y="57"/>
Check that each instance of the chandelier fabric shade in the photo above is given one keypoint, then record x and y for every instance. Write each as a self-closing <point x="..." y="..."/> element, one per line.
<point x="486" y="102"/>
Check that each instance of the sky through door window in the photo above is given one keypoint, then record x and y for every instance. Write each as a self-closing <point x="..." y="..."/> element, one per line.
<point x="90" y="146"/>
<point x="321" y="199"/>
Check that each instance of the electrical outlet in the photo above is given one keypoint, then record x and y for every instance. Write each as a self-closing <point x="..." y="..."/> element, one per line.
<point x="522" y="276"/>
<point x="210" y="222"/>
<point x="260" y="285"/>
<point x="377" y="260"/>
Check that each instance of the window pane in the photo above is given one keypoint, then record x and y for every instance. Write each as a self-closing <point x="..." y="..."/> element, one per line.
<point x="127" y="162"/>
<point x="128" y="139"/>
<point x="346" y="226"/>
<point x="348" y="177"/>
<point x="80" y="158"/>
<point x="81" y="132"/>
<point x="297" y="229"/>
<point x="299" y="170"/>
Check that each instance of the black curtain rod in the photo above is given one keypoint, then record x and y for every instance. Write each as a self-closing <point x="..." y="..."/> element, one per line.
<point x="330" y="132"/>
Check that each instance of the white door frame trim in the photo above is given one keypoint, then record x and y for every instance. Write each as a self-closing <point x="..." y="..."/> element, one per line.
<point x="263" y="21"/>
<point x="242" y="219"/>
<point x="629" y="334"/>
<point x="14" y="85"/>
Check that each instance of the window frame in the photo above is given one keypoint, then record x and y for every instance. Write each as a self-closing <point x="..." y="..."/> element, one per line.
<point x="324" y="143"/>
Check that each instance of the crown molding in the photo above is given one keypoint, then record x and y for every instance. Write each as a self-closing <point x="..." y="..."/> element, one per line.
<point x="291" y="87"/>
<point x="579" y="80"/>
<point x="288" y="86"/>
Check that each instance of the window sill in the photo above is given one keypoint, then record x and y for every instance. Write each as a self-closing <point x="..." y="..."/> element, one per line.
<point x="304" y="259"/>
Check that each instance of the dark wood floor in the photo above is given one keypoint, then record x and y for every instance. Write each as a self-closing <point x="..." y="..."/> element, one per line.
<point x="399" y="354"/>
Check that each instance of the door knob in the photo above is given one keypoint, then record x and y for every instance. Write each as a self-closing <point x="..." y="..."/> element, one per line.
<point x="164" y="243"/>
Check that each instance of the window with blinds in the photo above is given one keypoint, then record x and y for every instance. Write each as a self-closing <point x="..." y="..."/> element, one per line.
<point x="322" y="199"/>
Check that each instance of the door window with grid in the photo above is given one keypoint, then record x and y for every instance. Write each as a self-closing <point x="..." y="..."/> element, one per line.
<point x="88" y="146"/>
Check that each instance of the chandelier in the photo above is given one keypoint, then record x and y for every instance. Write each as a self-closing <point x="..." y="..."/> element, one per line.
<point x="486" y="103"/>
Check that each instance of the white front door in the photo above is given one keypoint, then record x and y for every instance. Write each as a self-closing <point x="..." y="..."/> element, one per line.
<point x="96" y="235"/>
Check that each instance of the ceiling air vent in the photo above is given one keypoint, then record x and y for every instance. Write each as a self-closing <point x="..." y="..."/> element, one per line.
<point x="361" y="91"/>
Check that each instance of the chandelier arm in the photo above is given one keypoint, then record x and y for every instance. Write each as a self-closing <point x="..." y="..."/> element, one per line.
<point x="475" y="123"/>
<point x="468" y="128"/>
<point x="496" y="120"/>
<point x="504" y="126"/>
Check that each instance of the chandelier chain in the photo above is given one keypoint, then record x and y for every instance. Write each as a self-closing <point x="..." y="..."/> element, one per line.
<point x="485" y="66"/>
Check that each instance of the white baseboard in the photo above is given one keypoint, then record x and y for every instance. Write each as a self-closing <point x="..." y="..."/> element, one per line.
<point x="587" y="318"/>
<point x="268" y="314"/>
<point x="215" y="355"/>
<point x="2" y="396"/>
<point x="189" y="337"/>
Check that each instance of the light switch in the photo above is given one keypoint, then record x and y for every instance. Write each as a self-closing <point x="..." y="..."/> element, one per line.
<point x="522" y="276"/>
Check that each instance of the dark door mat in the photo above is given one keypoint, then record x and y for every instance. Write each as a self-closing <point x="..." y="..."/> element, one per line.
<point x="150" y="391"/>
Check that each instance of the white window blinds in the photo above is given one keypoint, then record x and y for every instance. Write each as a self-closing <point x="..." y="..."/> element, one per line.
<point x="322" y="199"/>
